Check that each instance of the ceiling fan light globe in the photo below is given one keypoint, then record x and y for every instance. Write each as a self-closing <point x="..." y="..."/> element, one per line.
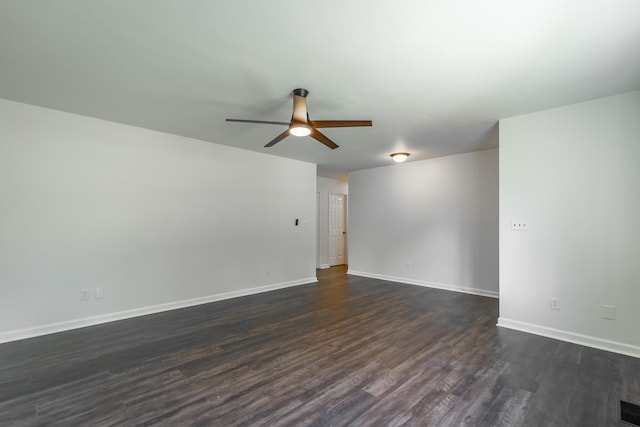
<point x="300" y="131"/>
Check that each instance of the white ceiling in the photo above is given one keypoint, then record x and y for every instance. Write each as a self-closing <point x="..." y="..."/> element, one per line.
<point x="434" y="76"/>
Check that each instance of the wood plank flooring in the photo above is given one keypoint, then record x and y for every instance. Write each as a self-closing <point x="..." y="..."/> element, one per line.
<point x="348" y="351"/>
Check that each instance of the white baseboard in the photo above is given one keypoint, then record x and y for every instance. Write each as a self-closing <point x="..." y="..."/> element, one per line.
<point x="424" y="283"/>
<point x="323" y="266"/>
<point x="143" y="311"/>
<point x="586" y="340"/>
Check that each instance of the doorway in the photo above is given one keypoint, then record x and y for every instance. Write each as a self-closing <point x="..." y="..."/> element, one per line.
<point x="337" y="229"/>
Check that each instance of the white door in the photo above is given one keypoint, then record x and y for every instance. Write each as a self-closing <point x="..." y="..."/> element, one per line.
<point x="336" y="229"/>
<point x="317" y="229"/>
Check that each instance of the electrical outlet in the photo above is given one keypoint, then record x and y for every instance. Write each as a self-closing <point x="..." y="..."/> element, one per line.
<point x="84" y="294"/>
<point x="99" y="292"/>
<point x="555" y="304"/>
<point x="520" y="224"/>
<point x="609" y="312"/>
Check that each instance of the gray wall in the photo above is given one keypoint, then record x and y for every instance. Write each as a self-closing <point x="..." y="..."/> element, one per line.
<point x="574" y="173"/>
<point x="158" y="221"/>
<point x="431" y="222"/>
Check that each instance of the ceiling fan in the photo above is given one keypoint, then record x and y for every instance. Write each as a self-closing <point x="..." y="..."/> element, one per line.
<point x="301" y="125"/>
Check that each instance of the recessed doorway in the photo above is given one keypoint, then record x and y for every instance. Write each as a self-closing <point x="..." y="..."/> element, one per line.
<point x="337" y="229"/>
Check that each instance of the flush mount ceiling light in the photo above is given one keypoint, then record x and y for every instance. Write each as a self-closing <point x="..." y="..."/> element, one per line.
<point x="399" y="157"/>
<point x="300" y="130"/>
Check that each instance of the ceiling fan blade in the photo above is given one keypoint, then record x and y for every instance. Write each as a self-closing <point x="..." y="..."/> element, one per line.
<point x="278" y="138"/>
<point x="317" y="135"/>
<point x="339" y="123"/>
<point x="258" y="121"/>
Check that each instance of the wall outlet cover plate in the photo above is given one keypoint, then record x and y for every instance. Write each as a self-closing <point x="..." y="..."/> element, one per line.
<point x="520" y="224"/>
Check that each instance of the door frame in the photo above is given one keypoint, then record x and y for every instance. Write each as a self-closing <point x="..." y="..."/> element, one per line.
<point x="345" y="218"/>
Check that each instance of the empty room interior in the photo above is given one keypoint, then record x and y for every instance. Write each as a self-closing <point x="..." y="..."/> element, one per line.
<point x="320" y="214"/>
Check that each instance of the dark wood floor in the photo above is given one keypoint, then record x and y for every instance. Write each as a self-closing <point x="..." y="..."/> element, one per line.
<point x="346" y="351"/>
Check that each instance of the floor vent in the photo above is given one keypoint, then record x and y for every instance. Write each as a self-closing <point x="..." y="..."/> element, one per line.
<point x="629" y="413"/>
